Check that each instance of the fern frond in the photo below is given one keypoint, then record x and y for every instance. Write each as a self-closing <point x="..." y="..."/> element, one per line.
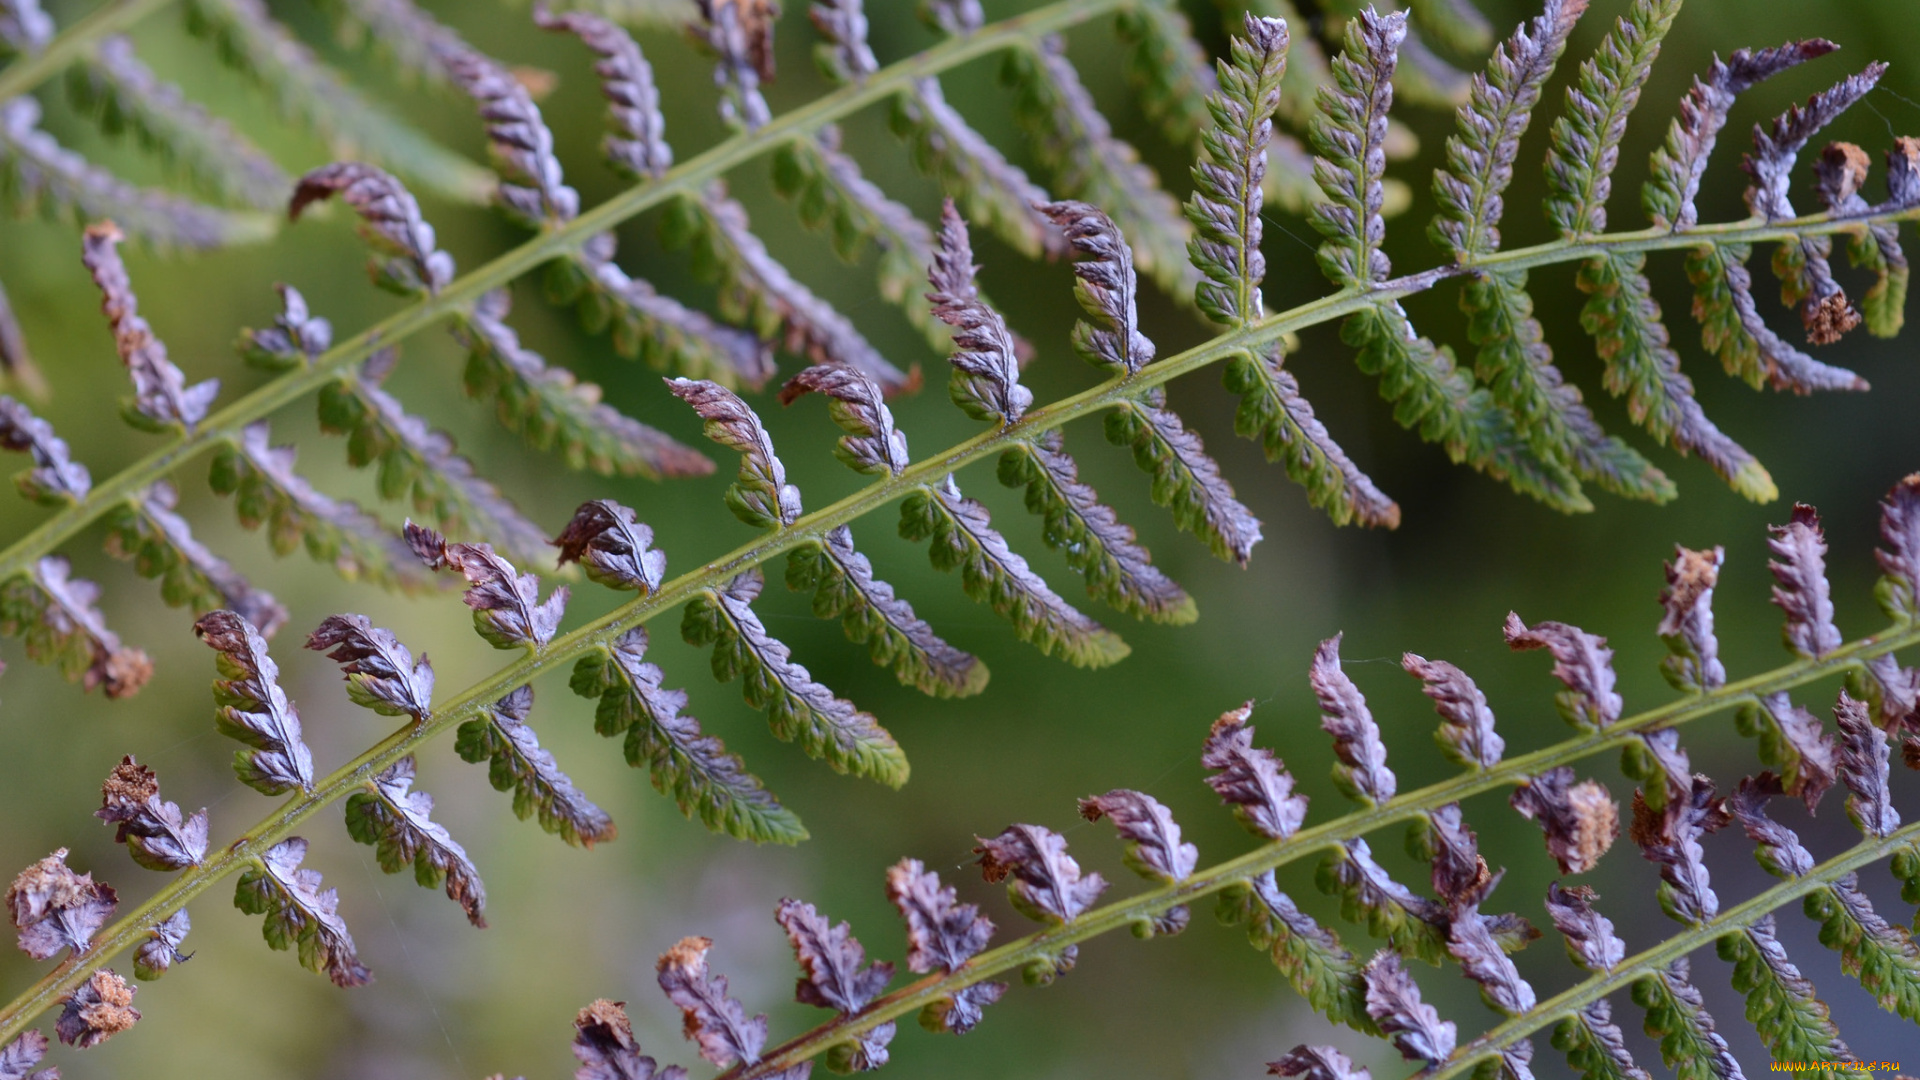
<point x="843" y="586"/>
<point x="253" y="709"/>
<point x="507" y="610"/>
<point x="55" y="478"/>
<point x="407" y="256"/>
<point x="942" y="935"/>
<point x="419" y="463"/>
<point x="758" y="291"/>
<point x="1641" y="365"/>
<point x="392" y="819"/>
<point x="1393" y="1000"/>
<point x="381" y="673"/>
<point x="1228" y="183"/>
<point x="1310" y="956"/>
<point x="38" y="174"/>
<point x="1370" y="897"/>
<point x="267" y="491"/>
<point x="1592" y="1042"/>
<point x="797" y="707"/>
<point x="1586" y="139"/>
<point x="124" y="95"/>
<point x="1274" y="413"/>
<point x="740" y="37"/>
<point x="53" y="614"/>
<point x="157" y="834"/>
<point x="759" y="494"/>
<point x="692" y="767"/>
<point x="1686" y="623"/>
<point x="1677" y="1016"/>
<point x="1168" y="67"/>
<point x="1089" y="163"/>
<point x="1349" y="135"/>
<point x="162" y="400"/>
<point x="995" y="191"/>
<point x="1795" y="1024"/>
<point x="147" y="531"/>
<point x="986" y="358"/>
<point x="307" y="91"/>
<point x="961" y="537"/>
<point x="612" y="545"/>
<point x="299" y="914"/>
<point x="553" y="411"/>
<point x="503" y="739"/>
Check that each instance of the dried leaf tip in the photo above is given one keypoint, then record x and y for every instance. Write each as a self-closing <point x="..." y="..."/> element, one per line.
<point x="836" y="976"/>
<point x="157" y="834"/>
<point x="1105" y="285"/>
<point x="97" y="1010"/>
<point x="1393" y="1000"/>
<point x="609" y="541"/>
<point x="1046" y="884"/>
<point x="54" y="908"/>
<point x="985" y="358"/>
<point x="1251" y="779"/>
<point x="760" y="494"/>
<point x="1466" y="730"/>
<point x="390" y="223"/>
<point x="507" y="609"/>
<point x="253" y="708"/>
<point x="713" y="1020"/>
<point x="1581" y="661"/>
<point x="1154" y="847"/>
<point x="1799" y="569"/>
<point x="1362" y="771"/>
<point x="381" y="673"/>
<point x="942" y="934"/>
<point x="1580" y="819"/>
<point x="162" y="400"/>
<point x="871" y="444"/>
<point x="1590" y="937"/>
<point x="1686" y="620"/>
<point x="604" y="1044"/>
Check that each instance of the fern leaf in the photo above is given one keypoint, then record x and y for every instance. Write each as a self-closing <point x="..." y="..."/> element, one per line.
<point x="18" y="1057"/>
<point x="37" y="173"/>
<point x="995" y="191"/>
<point x="1658" y="761"/>
<point x="1046" y="883"/>
<point x="1795" y="1024"/>
<point x="392" y="818"/>
<point x="1349" y="133"/>
<point x="1228" y="191"/>
<point x="1393" y="1000"/>
<point x="961" y="537"/>
<point x="503" y="739"/>
<point x="1317" y="1063"/>
<point x="1275" y="414"/>
<point x="161" y="950"/>
<point x="531" y="189"/>
<point x="1882" y="956"/>
<point x="1581" y="661"/>
<point x="1154" y="849"/>
<point x="603" y="1034"/>
<point x="55" y="478"/>
<point x="843" y="55"/>
<point x="147" y="530"/>
<point x="837" y="976"/>
<point x="507" y="610"/>
<point x="872" y="444"/>
<point x="985" y="357"/>
<point x="1641" y="365"/>
<point x="1310" y="956"/>
<point x="24" y="31"/>
<point x="1586" y="139"/>
<point x="381" y="673"/>
<point x="124" y="95"/>
<point x="1793" y="741"/>
<point x="55" y="909"/>
<point x="322" y="100"/>
<point x="1863" y="768"/>
<point x="797" y="707"/>
<point x="831" y="194"/>
<point x="1089" y="163"/>
<point x="1686" y="623"/>
<point x="407" y="257"/>
<point x="1168" y="68"/>
<point x="611" y="543"/>
<point x="942" y="935"/>
<point x="740" y="37"/>
<point x="1091" y="536"/>
<point x="1592" y="1042"/>
<point x="1670" y="836"/>
<point x="1679" y="165"/>
<point x="758" y="291"/>
<point x="1801" y="590"/>
<point x="162" y="401"/>
<point x="760" y="494"/>
<point x="1840" y="172"/>
<point x="253" y="708"/>
<point x="553" y="411"/>
<point x="1579" y="819"/>
<point x="299" y="914"/>
<point x="1806" y="277"/>
<point x="96" y="1010"/>
<point x="843" y="586"/>
<point x="268" y="491"/>
<point x="1898" y="591"/>
<point x="419" y="463"/>
<point x="53" y="614"/>
<point x="650" y="326"/>
<point x="635" y="144"/>
<point x="692" y="767"/>
<point x="157" y="834"/>
<point x="1677" y="1016"/>
<point x="1466" y="734"/>
<point x="1370" y="897"/>
<point x="1360" y="771"/>
<point x="1250" y="779"/>
<point x="1731" y="325"/>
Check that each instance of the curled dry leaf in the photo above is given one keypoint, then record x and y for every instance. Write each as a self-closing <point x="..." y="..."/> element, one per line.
<point x="1251" y="779"/>
<point x="604" y="1044"/>
<point x="760" y="495"/>
<point x="1671" y="838"/>
<point x="253" y="708"/>
<point x="507" y="609"/>
<point x="1863" y="754"/>
<point x="390" y="223"/>
<point x="1466" y="723"/>
<point x="613" y="546"/>
<point x="1580" y="819"/>
<point x="1154" y="848"/>
<point x="1393" y="1000"/>
<point x="1799" y="568"/>
<point x="97" y="1010"/>
<point x="942" y="934"/>
<point x="871" y="444"/>
<point x="54" y="908"/>
<point x="1362" y="769"/>
<point x="1317" y="1063"/>
<point x="394" y="820"/>
<point x="157" y="955"/>
<point x="157" y="834"/>
<point x="985" y="358"/>
<point x="1686" y="620"/>
<point x="836" y="975"/>
<point x="162" y="399"/>
<point x="1047" y="883"/>
<point x="1581" y="661"/>
<point x="716" y="1022"/>
<point x="381" y="674"/>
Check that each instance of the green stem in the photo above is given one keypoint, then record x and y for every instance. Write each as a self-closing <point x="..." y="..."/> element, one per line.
<point x="1658" y="958"/>
<point x="133" y="928"/>
<point x="76" y="41"/>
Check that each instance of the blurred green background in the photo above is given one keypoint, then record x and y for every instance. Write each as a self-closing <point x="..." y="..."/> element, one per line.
<point x="571" y="925"/>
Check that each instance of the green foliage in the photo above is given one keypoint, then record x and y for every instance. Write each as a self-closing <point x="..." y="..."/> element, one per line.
<point x="1586" y="138"/>
<point x="1882" y="956"/>
<point x="1316" y="964"/>
<point x="1168" y="67"/>
<point x="1185" y="480"/>
<point x="1677" y="1017"/>
<point x="1795" y="1025"/>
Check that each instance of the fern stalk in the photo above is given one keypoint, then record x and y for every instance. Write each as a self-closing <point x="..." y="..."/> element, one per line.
<point x="246" y="852"/>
